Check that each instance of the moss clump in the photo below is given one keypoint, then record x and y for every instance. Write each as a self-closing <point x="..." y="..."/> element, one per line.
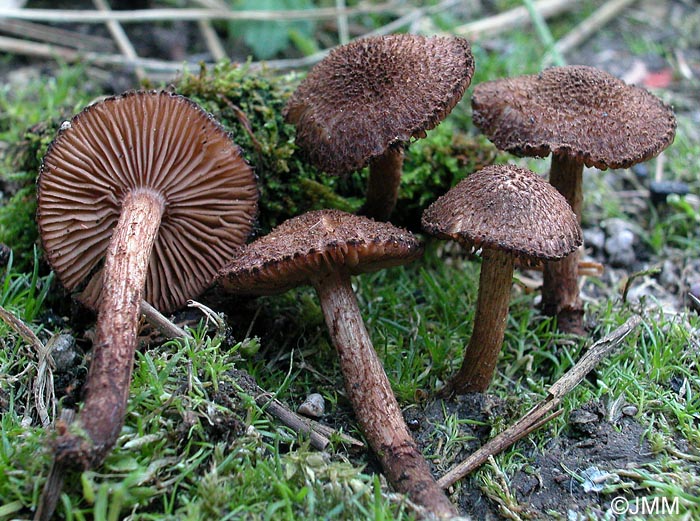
<point x="21" y="164"/>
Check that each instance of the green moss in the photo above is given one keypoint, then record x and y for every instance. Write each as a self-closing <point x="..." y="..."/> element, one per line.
<point x="17" y="213"/>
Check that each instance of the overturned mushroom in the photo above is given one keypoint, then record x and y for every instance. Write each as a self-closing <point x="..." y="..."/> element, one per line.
<point x="506" y="212"/>
<point x="324" y="249"/>
<point x="141" y="195"/>
<point x="582" y="116"/>
<point x="367" y="99"/>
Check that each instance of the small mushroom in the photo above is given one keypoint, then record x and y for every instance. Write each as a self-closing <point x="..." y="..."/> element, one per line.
<point x="582" y="116"/>
<point x="506" y="212"/>
<point x="141" y="195"/>
<point x="324" y="249"/>
<point x="367" y="99"/>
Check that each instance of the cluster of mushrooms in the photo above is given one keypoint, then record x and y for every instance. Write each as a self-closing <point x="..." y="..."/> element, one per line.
<point x="145" y="197"/>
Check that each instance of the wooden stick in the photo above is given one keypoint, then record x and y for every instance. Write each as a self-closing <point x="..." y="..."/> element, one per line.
<point x="156" y="319"/>
<point x="543" y="32"/>
<point x="590" y="25"/>
<point x="319" y="434"/>
<point x="211" y="39"/>
<point x="411" y="17"/>
<point x="192" y="15"/>
<point x="492" y="25"/>
<point x="48" y="34"/>
<point x="516" y="17"/>
<point x="342" y="20"/>
<point x="120" y="37"/>
<point x="542" y="412"/>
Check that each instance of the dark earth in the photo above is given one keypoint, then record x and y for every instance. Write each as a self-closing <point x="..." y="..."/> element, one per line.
<point x="598" y="437"/>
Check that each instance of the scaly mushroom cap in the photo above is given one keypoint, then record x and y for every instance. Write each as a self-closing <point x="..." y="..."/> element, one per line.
<point x="376" y="92"/>
<point x="576" y="110"/>
<point x="145" y="140"/>
<point x="508" y="208"/>
<point x="314" y="243"/>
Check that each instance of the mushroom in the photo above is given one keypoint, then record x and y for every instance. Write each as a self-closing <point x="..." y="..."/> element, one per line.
<point x="507" y="213"/>
<point x="367" y="99"/>
<point x="324" y="249"/>
<point x="142" y="195"/>
<point x="582" y="116"/>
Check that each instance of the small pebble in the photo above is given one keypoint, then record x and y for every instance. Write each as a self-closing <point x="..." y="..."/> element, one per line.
<point x="694" y="296"/>
<point x="5" y="253"/>
<point x="314" y="406"/>
<point x="594" y="238"/>
<point x="669" y="277"/>
<point x="619" y="245"/>
<point x="413" y="424"/>
<point x="630" y="410"/>
<point x="659" y="190"/>
<point x="64" y="353"/>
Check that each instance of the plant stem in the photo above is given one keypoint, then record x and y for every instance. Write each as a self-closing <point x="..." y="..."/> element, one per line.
<point x="373" y="400"/>
<point x="544" y="33"/>
<point x="383" y="184"/>
<point x="481" y="355"/>
<point x="560" y="293"/>
<point x="109" y="377"/>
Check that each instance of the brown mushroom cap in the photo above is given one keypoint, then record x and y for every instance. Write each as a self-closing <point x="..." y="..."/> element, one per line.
<point x="152" y="141"/>
<point x="576" y="110"/>
<point x="375" y="92"/>
<point x="314" y="243"/>
<point x="507" y="208"/>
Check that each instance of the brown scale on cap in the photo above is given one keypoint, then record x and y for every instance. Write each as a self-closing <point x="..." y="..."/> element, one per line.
<point x="324" y="248"/>
<point x="582" y="116"/>
<point x="367" y="99"/>
<point x="506" y="208"/>
<point x="506" y="212"/>
<point x="576" y="110"/>
<point x="314" y="243"/>
<point x="140" y="196"/>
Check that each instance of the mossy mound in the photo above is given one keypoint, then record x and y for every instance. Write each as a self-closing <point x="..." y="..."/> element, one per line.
<point x="21" y="164"/>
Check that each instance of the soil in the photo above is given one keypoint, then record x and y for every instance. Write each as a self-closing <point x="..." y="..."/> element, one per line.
<point x="550" y="485"/>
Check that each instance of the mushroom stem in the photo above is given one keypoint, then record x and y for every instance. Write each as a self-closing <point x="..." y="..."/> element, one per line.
<point x="373" y="400"/>
<point x="560" y="293"/>
<point x="383" y="184"/>
<point x="481" y="354"/>
<point x="107" y="387"/>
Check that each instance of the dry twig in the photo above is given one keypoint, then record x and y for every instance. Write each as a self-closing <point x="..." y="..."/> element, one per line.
<point x="542" y="412"/>
<point x="516" y="17"/>
<point x="43" y="382"/>
<point x="120" y="37"/>
<point x="590" y="25"/>
<point x="193" y="15"/>
<point x="45" y="33"/>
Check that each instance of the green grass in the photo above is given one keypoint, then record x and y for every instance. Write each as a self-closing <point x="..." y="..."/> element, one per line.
<point x="196" y="446"/>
